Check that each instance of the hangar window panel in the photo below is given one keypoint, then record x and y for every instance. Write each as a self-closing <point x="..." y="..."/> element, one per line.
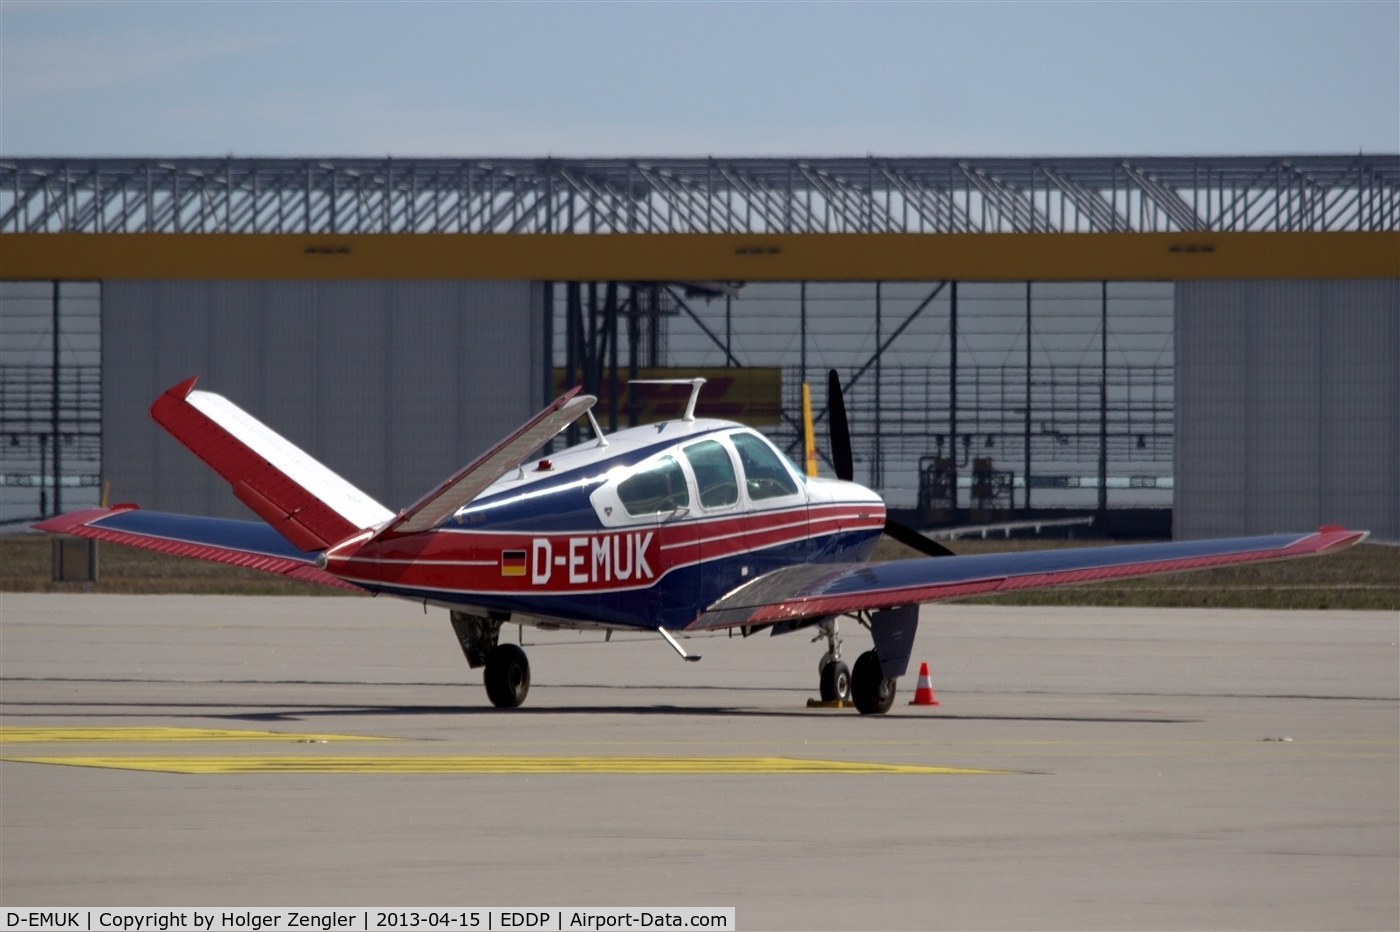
<point x="50" y="398"/>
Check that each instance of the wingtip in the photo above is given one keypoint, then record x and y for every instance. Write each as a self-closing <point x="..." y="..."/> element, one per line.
<point x="572" y="399"/>
<point x="182" y="390"/>
<point x="168" y="400"/>
<point x="65" y="523"/>
<point x="1339" y="537"/>
<point x="55" y="525"/>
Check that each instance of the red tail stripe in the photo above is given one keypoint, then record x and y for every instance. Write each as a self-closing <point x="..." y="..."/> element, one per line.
<point x="289" y="527"/>
<point x="232" y="459"/>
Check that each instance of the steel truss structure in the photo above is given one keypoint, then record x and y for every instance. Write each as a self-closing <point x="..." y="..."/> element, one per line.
<point x="869" y="195"/>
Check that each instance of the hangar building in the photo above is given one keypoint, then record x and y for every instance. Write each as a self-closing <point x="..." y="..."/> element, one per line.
<point x="1220" y="336"/>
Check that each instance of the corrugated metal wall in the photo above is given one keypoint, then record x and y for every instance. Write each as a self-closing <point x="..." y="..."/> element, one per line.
<point x="393" y="384"/>
<point x="1288" y="406"/>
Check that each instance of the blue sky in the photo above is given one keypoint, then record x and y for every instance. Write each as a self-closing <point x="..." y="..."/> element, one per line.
<point x="676" y="78"/>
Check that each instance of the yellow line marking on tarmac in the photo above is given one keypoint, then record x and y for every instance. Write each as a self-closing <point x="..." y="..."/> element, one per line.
<point x="44" y="734"/>
<point x="532" y="765"/>
<point x="942" y="743"/>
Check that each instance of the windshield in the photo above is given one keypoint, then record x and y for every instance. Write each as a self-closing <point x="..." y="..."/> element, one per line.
<point x="765" y="476"/>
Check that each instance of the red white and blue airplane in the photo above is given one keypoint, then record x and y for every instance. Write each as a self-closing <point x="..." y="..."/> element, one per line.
<point x="685" y="526"/>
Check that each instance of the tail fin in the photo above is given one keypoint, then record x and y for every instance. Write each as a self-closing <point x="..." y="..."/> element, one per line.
<point x="304" y="501"/>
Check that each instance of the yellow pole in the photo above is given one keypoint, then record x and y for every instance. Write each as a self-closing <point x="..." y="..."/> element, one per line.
<point x="809" y="435"/>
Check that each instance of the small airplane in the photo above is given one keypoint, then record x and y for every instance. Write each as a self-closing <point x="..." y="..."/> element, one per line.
<point x="680" y="527"/>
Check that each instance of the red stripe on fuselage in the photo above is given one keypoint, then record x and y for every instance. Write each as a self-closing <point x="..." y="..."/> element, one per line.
<point x="592" y="560"/>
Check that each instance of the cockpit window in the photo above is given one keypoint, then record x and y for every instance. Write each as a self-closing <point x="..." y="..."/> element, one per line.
<point x="658" y="488"/>
<point x="714" y="473"/>
<point x="764" y="474"/>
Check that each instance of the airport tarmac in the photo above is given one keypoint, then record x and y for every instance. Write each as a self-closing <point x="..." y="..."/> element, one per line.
<point x="1110" y="768"/>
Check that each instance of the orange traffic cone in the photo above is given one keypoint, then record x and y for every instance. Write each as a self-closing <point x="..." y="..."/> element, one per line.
<point x="923" y="693"/>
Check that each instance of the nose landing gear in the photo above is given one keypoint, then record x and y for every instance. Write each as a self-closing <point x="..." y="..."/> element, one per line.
<point x="867" y="687"/>
<point x="835" y="683"/>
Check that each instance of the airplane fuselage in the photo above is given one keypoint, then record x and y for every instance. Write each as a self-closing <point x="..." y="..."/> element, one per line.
<point x="567" y="538"/>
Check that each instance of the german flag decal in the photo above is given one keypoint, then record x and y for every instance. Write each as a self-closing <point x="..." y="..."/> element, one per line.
<point x="512" y="563"/>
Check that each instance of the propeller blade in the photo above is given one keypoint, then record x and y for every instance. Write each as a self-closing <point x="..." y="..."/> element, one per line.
<point x="840" y="430"/>
<point x="912" y="538"/>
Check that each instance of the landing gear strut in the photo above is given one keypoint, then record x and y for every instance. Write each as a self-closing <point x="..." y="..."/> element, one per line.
<point x="477" y="634"/>
<point x="507" y="669"/>
<point x="835" y="675"/>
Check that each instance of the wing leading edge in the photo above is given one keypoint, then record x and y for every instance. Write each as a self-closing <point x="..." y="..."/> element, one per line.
<point x="810" y="590"/>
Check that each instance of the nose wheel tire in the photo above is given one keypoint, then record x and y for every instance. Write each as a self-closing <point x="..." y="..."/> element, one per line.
<point x="836" y="682"/>
<point x="507" y="676"/>
<point x="872" y="692"/>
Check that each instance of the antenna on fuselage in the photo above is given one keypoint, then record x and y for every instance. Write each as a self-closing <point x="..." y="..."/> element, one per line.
<point x="694" y="391"/>
<point x="597" y="429"/>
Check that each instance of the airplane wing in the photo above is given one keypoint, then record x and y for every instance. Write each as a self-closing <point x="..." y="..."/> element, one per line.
<point x="442" y="502"/>
<point x="811" y="590"/>
<point x="306" y="502"/>
<point x="240" y="543"/>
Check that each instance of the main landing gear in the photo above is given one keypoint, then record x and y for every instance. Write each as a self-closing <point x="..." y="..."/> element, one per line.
<point x="507" y="676"/>
<point x="507" y="668"/>
<point x="866" y="686"/>
<point x="872" y="691"/>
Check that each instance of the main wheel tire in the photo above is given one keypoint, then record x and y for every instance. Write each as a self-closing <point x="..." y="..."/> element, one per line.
<point x="872" y="692"/>
<point x="836" y="682"/>
<point x="507" y="676"/>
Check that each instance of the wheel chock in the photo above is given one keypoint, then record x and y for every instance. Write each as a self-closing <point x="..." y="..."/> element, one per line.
<point x="830" y="704"/>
